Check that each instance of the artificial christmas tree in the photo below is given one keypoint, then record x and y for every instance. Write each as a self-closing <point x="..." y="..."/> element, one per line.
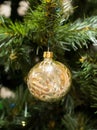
<point x="69" y="29"/>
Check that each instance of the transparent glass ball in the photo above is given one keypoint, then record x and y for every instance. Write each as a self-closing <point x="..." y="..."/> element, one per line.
<point x="49" y="80"/>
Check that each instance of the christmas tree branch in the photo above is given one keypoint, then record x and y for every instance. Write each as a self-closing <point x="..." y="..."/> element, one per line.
<point x="78" y="34"/>
<point x="85" y="77"/>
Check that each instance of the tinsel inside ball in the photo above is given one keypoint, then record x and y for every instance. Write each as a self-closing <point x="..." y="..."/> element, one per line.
<point x="49" y="80"/>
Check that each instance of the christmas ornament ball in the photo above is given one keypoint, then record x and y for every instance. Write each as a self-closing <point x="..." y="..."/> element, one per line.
<point x="49" y="80"/>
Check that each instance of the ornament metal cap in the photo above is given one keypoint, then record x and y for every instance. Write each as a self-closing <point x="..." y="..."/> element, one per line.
<point x="48" y="54"/>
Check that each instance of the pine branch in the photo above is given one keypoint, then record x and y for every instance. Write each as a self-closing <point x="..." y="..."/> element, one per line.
<point x="13" y="44"/>
<point x="78" y="34"/>
<point x="86" y="79"/>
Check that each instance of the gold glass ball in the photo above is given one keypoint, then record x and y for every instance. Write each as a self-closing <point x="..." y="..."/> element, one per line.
<point x="49" y="80"/>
